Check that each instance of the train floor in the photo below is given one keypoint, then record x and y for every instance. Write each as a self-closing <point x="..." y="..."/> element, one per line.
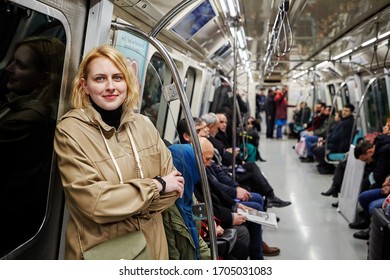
<point x="310" y="228"/>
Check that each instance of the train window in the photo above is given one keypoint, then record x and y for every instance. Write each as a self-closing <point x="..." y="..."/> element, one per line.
<point x="32" y="52"/>
<point x="153" y="104"/>
<point x="189" y="84"/>
<point x="332" y="93"/>
<point x="345" y="94"/>
<point x="377" y="105"/>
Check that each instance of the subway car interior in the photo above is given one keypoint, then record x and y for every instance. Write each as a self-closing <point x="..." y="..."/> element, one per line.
<point x="328" y="53"/>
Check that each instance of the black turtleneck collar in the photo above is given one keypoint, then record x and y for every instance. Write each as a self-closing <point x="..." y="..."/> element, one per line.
<point x="112" y="118"/>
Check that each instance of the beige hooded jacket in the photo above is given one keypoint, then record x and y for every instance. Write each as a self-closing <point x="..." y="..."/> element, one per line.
<point x="92" y="168"/>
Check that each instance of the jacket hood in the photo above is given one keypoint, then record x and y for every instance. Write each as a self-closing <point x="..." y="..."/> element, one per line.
<point x="90" y="116"/>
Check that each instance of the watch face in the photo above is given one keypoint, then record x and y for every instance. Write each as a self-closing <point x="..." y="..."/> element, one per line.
<point x="199" y="211"/>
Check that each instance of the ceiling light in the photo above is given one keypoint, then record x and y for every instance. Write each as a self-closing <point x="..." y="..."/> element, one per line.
<point x="368" y="42"/>
<point x="322" y="64"/>
<point x="234" y="8"/>
<point x="241" y="38"/>
<point x="384" y="35"/>
<point x="300" y="74"/>
<point x="342" y="54"/>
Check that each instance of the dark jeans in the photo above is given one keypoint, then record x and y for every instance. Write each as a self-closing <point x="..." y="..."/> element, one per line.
<point x="371" y="199"/>
<point x="339" y="175"/>
<point x="270" y="122"/>
<point x="255" y="244"/>
<point x="254" y="179"/>
<point x="319" y="153"/>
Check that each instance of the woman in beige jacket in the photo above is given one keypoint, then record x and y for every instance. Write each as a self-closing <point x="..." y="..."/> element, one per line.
<point x="111" y="190"/>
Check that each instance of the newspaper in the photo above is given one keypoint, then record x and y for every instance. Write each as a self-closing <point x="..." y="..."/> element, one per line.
<point x="259" y="217"/>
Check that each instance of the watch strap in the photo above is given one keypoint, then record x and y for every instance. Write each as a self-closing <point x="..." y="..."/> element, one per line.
<point x="162" y="182"/>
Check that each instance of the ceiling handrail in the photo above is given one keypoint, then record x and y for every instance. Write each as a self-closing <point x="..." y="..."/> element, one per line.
<point x="279" y="20"/>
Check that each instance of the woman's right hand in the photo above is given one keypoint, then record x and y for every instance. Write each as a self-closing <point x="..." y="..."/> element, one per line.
<point x="174" y="181"/>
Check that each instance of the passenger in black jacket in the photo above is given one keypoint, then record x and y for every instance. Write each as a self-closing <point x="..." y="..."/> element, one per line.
<point x="270" y="110"/>
<point x="338" y="140"/>
<point x="251" y="178"/>
<point x="377" y="154"/>
<point x="370" y="138"/>
<point x="222" y="203"/>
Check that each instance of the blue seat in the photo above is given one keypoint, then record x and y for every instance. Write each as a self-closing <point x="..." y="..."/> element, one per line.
<point x="341" y="156"/>
<point x="336" y="156"/>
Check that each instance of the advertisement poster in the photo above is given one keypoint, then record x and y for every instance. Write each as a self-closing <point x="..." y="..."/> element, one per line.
<point x="135" y="50"/>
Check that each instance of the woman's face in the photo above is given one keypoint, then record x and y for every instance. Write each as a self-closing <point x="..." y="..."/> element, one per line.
<point x="105" y="84"/>
<point x="23" y="75"/>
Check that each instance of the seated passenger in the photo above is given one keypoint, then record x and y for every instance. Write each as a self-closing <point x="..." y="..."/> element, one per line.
<point x="183" y="236"/>
<point x="369" y="200"/>
<point x="251" y="141"/>
<point x="339" y="172"/>
<point x="317" y="120"/>
<point x="184" y="242"/>
<point x="220" y="203"/>
<point x="312" y="136"/>
<point x="251" y="176"/>
<point x="301" y="119"/>
<point x="378" y="154"/>
<point x="338" y="140"/>
<point x="221" y="200"/>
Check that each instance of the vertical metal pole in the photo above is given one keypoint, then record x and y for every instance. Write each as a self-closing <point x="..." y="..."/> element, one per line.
<point x="191" y="125"/>
<point x="234" y="117"/>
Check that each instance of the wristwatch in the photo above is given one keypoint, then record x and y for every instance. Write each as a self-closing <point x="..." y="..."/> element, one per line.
<point x="162" y="182"/>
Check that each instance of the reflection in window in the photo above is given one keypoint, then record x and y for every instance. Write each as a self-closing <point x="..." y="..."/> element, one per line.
<point x="189" y="85"/>
<point x="153" y="104"/>
<point x="30" y="81"/>
<point x="345" y="95"/>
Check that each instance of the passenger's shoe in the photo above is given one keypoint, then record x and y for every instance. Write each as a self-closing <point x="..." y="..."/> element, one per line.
<point x="335" y="205"/>
<point x="277" y="202"/>
<point x="270" y="251"/>
<point x="307" y="159"/>
<point x="363" y="234"/>
<point x="362" y="224"/>
<point x="331" y="192"/>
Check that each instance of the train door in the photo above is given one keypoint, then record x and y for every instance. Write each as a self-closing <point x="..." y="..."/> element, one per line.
<point x="33" y="57"/>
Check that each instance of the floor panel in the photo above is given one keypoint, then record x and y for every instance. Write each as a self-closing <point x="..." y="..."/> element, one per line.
<point x="310" y="228"/>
